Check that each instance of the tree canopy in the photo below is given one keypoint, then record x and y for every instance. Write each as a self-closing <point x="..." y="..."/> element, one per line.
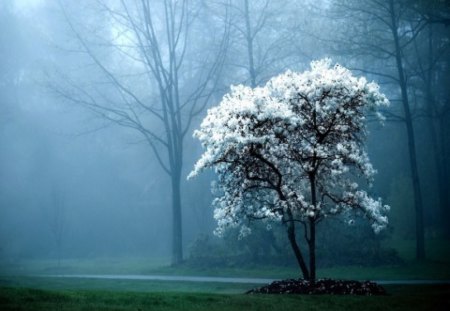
<point x="292" y="150"/>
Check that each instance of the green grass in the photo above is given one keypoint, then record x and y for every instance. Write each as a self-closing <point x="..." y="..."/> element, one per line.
<point x="437" y="266"/>
<point x="119" y="265"/>
<point x="400" y="298"/>
<point x="26" y="285"/>
<point x="408" y="271"/>
<point x="51" y="283"/>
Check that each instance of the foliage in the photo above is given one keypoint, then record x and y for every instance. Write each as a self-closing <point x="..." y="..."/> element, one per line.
<point x="233" y="252"/>
<point x="337" y="246"/>
<point x="355" y="245"/>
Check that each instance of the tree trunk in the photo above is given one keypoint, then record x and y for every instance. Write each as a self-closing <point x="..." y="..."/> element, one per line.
<point x="58" y="250"/>
<point x="312" y="251"/>
<point x="249" y="38"/>
<point x="438" y="163"/>
<point x="420" y="236"/>
<point x="312" y="232"/>
<point x="438" y="146"/>
<point x="444" y="183"/>
<point x="177" y="241"/>
<point x="293" y="241"/>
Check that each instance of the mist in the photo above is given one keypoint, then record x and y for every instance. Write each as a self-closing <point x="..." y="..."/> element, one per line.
<point x="99" y="101"/>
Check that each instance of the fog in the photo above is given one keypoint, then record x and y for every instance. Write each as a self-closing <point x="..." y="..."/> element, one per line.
<point x="94" y="157"/>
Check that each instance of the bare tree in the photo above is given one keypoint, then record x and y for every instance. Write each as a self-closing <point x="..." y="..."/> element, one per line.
<point x="263" y="37"/>
<point x="431" y="53"/>
<point x="381" y="32"/>
<point x="433" y="11"/>
<point x="175" y="79"/>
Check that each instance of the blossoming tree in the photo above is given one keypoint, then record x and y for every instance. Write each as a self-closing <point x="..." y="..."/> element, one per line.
<point x="292" y="151"/>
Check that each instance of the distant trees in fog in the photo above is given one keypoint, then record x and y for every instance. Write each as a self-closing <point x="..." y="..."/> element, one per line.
<point x="155" y="41"/>
<point x="153" y="67"/>
<point x="395" y="41"/>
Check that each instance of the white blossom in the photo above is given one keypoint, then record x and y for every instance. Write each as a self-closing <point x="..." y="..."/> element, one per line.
<point x="266" y="143"/>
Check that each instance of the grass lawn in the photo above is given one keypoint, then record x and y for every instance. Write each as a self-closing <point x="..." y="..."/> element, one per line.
<point x="411" y="270"/>
<point x="437" y="266"/>
<point x="409" y="297"/>
<point x="26" y="285"/>
<point x="75" y="284"/>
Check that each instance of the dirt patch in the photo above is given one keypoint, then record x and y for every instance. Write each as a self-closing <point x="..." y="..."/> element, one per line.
<point x="321" y="287"/>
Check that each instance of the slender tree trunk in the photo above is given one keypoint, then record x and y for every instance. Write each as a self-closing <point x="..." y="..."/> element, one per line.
<point x="437" y="145"/>
<point x="58" y="249"/>
<point x="312" y="251"/>
<point x="293" y="241"/>
<point x="444" y="174"/>
<point x="444" y="202"/>
<point x="249" y="38"/>
<point x="438" y="162"/>
<point x="177" y="241"/>
<point x="312" y="231"/>
<point x="420" y="236"/>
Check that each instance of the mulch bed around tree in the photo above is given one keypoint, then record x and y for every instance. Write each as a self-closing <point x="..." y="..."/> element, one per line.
<point x="322" y="286"/>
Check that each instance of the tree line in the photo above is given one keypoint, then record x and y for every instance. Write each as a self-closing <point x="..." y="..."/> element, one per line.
<point x="155" y="66"/>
